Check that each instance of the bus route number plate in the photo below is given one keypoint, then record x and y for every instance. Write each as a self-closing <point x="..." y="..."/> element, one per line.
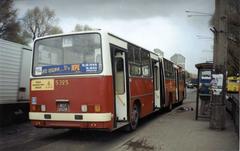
<point x="62" y="106"/>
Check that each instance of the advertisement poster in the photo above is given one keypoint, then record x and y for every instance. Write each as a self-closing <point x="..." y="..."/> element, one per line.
<point x="217" y="83"/>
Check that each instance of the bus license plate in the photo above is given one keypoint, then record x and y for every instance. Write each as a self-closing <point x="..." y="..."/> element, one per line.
<point x="62" y="107"/>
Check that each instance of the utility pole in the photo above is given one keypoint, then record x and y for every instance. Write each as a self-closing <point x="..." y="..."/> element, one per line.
<point x="217" y="114"/>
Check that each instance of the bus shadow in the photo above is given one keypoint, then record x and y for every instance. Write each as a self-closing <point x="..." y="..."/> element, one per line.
<point x="82" y="135"/>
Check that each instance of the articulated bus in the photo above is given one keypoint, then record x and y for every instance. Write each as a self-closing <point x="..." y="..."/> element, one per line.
<point x="96" y="80"/>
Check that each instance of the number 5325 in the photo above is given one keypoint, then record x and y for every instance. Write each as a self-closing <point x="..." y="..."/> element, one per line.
<point x="61" y="82"/>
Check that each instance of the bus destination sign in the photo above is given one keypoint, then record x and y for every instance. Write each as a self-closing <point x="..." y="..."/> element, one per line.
<point x="67" y="69"/>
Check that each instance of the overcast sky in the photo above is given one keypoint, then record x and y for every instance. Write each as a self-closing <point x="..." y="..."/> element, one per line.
<point x="151" y="24"/>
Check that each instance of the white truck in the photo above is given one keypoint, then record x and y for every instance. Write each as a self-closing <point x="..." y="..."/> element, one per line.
<point x="15" y="63"/>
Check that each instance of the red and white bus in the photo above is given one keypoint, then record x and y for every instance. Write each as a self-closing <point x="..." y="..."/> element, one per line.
<point x="96" y="80"/>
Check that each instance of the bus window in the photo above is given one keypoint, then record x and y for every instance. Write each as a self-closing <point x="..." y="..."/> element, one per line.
<point x="71" y="54"/>
<point x="146" y="63"/>
<point x="130" y="53"/>
<point x="135" y="70"/>
<point x="119" y="75"/>
<point x="134" y="58"/>
<point x="169" y="70"/>
<point x="137" y="55"/>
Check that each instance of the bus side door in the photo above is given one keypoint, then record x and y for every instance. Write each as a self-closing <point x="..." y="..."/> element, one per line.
<point x="156" y="81"/>
<point x="120" y="84"/>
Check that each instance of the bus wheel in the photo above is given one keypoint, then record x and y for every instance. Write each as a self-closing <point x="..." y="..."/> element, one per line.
<point x="134" y="118"/>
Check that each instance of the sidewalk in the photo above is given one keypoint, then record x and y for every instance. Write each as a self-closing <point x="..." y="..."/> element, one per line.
<point x="178" y="131"/>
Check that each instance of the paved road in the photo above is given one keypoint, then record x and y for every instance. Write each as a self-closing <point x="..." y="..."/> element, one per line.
<point x="164" y="132"/>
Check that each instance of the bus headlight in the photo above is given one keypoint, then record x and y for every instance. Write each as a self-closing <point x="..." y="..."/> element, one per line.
<point x="84" y="108"/>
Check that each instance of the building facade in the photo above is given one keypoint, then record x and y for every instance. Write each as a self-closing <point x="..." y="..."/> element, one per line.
<point x="159" y="52"/>
<point x="178" y="59"/>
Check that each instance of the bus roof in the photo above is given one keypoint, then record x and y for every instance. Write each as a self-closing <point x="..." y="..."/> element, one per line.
<point x="101" y="32"/>
<point x="70" y="33"/>
<point x="92" y="31"/>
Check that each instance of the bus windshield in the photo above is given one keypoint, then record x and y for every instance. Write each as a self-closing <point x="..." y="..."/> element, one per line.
<point x="69" y="54"/>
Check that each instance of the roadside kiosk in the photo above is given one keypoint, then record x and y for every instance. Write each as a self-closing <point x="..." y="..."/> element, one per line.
<point x="203" y="89"/>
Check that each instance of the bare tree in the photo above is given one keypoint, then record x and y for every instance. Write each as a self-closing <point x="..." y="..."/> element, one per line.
<point x="55" y="30"/>
<point x="233" y="36"/>
<point x="79" y="27"/>
<point x="10" y="28"/>
<point x="40" y="22"/>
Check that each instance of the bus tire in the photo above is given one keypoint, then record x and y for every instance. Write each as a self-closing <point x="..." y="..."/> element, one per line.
<point x="135" y="114"/>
